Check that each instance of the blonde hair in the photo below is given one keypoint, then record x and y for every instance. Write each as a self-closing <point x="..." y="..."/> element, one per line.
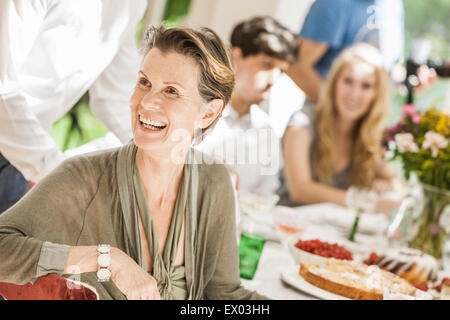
<point x="368" y="133"/>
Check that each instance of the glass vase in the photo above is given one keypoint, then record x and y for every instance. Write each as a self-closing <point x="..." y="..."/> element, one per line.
<point x="431" y="234"/>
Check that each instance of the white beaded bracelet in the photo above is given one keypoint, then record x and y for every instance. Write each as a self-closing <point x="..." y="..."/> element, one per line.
<point x="104" y="262"/>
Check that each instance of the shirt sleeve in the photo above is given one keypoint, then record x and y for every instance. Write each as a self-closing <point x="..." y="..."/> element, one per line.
<point x="299" y="119"/>
<point x="325" y="22"/>
<point x="23" y="140"/>
<point x="109" y="96"/>
<point x="37" y="232"/>
<point x="52" y="259"/>
<point x="304" y="118"/>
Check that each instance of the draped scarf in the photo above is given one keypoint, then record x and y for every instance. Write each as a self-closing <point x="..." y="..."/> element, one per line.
<point x="132" y="199"/>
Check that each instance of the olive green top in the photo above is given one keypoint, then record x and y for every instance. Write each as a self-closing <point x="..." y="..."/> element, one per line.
<point x="171" y="281"/>
<point x="93" y="199"/>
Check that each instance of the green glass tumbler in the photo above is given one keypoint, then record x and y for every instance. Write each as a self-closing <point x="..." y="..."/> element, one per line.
<point x="250" y="248"/>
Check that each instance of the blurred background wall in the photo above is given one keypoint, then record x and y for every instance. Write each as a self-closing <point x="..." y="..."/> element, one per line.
<point x="423" y="19"/>
<point x="222" y="15"/>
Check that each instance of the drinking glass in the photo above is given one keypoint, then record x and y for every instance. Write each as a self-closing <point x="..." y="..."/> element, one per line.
<point x="250" y="248"/>
<point x="360" y="200"/>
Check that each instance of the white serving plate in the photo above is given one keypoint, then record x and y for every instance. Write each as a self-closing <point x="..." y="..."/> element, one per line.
<point x="292" y="277"/>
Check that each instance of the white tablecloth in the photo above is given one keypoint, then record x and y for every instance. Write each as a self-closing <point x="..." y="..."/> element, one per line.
<point x="276" y="255"/>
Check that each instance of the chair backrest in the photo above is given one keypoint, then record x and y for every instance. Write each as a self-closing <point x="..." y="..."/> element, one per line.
<point x="49" y="287"/>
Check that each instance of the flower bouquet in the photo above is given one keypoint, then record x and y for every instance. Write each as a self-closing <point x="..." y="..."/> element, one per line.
<point x="421" y="142"/>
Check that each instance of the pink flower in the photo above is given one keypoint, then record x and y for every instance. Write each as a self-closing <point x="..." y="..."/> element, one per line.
<point x="394" y="129"/>
<point x="416" y="118"/>
<point x="389" y="138"/>
<point x="434" y="228"/>
<point x="434" y="141"/>
<point x="409" y="109"/>
<point x="405" y="142"/>
<point x="390" y="132"/>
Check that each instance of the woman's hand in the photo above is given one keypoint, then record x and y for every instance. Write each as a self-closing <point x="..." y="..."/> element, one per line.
<point x="133" y="281"/>
<point x="381" y="185"/>
<point x="386" y="206"/>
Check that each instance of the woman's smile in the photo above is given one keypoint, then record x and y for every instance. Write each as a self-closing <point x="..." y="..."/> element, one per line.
<point x="149" y="124"/>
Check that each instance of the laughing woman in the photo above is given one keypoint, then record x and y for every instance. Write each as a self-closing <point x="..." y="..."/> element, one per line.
<point x="168" y="225"/>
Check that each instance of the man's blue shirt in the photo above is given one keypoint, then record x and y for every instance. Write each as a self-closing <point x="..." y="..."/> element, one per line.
<point x="341" y="23"/>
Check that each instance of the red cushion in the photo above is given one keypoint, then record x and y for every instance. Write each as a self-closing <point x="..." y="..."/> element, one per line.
<point x="49" y="287"/>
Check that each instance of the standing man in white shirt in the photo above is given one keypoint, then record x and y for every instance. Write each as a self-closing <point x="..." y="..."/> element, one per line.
<point x="262" y="50"/>
<point x="51" y="53"/>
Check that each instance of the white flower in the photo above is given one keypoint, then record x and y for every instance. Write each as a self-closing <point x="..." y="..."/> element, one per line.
<point x="405" y="142"/>
<point x="434" y="141"/>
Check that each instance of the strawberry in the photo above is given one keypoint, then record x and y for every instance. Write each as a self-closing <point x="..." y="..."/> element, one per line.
<point x="421" y="286"/>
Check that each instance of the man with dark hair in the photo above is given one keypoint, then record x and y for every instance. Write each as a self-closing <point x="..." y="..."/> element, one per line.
<point x="265" y="35"/>
<point x="262" y="50"/>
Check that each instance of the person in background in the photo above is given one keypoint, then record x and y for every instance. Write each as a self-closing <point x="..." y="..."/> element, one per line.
<point x="262" y="50"/>
<point x="337" y="144"/>
<point x="51" y="53"/>
<point x="332" y="25"/>
<point x="166" y="220"/>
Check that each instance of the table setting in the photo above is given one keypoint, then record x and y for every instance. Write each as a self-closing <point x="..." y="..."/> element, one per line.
<point x="327" y="251"/>
<point x="291" y="238"/>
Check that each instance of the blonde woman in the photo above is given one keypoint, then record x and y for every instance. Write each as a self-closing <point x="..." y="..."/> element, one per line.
<point x="337" y="144"/>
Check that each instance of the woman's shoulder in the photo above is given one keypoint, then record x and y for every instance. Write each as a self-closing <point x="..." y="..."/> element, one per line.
<point x="92" y="164"/>
<point x="303" y="117"/>
<point x="215" y="188"/>
<point x="211" y="170"/>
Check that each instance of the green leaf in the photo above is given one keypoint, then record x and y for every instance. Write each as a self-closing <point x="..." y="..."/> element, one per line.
<point x="74" y="139"/>
<point x="61" y="131"/>
<point x="90" y="127"/>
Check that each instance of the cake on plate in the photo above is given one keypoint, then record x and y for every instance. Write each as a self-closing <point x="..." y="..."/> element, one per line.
<point x="410" y="264"/>
<point x="354" y="280"/>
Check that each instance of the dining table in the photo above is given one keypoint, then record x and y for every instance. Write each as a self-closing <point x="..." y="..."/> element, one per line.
<point x="277" y="275"/>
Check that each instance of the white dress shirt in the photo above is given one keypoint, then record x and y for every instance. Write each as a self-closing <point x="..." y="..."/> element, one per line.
<point x="249" y="145"/>
<point x="51" y="53"/>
